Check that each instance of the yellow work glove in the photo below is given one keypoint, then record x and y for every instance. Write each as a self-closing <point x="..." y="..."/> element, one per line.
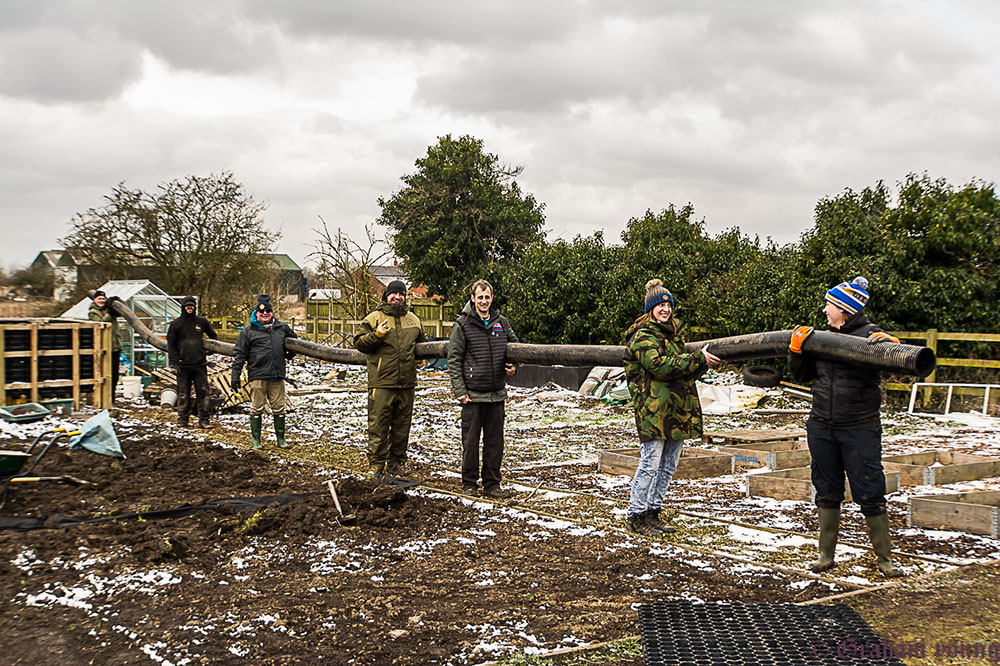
<point x="799" y="336"/>
<point x="382" y="329"/>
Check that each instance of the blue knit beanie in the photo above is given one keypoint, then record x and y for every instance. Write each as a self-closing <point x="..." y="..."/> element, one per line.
<point x="656" y="293"/>
<point x="851" y="297"/>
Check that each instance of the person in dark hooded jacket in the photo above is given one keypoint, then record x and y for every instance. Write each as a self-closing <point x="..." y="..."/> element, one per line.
<point x="844" y="428"/>
<point x="186" y="351"/>
<point x="389" y="336"/>
<point x="261" y="347"/>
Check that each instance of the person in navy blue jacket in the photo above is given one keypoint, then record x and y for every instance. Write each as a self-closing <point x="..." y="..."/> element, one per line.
<point x="261" y="347"/>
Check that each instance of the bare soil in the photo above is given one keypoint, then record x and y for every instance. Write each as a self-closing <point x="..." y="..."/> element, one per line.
<point x="421" y="578"/>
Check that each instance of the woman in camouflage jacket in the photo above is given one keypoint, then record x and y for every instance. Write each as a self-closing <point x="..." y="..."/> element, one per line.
<point x="661" y="379"/>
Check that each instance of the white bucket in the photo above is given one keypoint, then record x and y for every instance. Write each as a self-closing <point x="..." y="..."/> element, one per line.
<point x="132" y="387"/>
<point x="168" y="398"/>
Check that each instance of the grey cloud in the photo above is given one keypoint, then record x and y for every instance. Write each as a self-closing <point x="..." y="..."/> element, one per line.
<point x="87" y="51"/>
<point x="45" y="65"/>
<point x="428" y="21"/>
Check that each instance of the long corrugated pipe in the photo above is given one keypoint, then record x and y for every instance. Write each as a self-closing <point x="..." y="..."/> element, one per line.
<point x="899" y="358"/>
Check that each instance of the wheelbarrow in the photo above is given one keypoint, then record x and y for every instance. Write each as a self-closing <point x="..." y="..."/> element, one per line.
<point x="11" y="463"/>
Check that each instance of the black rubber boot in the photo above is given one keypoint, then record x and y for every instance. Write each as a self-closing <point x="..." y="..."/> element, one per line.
<point x="878" y="532"/>
<point x="255" y="424"/>
<point x="653" y="519"/>
<point x="829" y="532"/>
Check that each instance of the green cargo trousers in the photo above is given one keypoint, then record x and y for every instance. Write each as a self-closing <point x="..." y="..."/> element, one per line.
<point x="390" y="412"/>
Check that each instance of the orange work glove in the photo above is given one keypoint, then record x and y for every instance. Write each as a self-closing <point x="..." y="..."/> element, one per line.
<point x="799" y="336"/>
<point x="881" y="336"/>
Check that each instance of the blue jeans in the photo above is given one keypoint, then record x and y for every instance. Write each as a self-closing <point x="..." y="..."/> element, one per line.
<point x="657" y="464"/>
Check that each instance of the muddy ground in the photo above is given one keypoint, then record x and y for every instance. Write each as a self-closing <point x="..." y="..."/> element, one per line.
<point x="421" y="578"/>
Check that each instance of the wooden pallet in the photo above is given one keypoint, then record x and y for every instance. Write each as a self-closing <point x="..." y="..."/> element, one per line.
<point x="783" y="454"/>
<point x="796" y="484"/>
<point x="694" y="463"/>
<point x="975" y="513"/>
<point x="936" y="468"/>
<point x="219" y="376"/>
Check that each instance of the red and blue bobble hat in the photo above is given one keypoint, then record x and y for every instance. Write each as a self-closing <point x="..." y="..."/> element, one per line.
<point x="656" y="293"/>
<point x="851" y="297"/>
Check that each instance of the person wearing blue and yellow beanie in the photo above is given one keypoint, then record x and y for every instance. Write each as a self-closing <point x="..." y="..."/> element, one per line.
<point x="844" y="426"/>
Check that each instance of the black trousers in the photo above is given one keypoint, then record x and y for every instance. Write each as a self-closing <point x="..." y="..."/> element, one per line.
<point x="115" y="372"/>
<point x="486" y="419"/>
<point x="186" y="376"/>
<point x="858" y="453"/>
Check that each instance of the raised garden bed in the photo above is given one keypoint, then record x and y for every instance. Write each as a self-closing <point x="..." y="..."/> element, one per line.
<point x="774" y="455"/>
<point x="796" y="484"/>
<point x="936" y="468"/>
<point x="976" y="513"/>
<point x="695" y="463"/>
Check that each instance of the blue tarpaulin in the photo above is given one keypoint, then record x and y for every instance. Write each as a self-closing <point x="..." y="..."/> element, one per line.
<point x="98" y="436"/>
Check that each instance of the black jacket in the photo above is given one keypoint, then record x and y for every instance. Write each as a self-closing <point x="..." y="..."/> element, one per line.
<point x="476" y="355"/>
<point x="845" y="395"/>
<point x="184" y="340"/>
<point x="262" y="349"/>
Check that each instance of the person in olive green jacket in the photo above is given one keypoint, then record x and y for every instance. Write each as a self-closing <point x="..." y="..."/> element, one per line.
<point x="389" y="337"/>
<point x="100" y="311"/>
<point x="661" y="379"/>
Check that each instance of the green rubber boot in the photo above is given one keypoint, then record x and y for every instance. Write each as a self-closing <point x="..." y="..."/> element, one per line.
<point x="255" y="422"/>
<point x="279" y="431"/>
<point x="878" y="532"/>
<point x="829" y="531"/>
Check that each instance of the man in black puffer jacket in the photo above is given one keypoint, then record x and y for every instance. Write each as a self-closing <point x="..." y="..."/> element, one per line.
<point x="844" y="427"/>
<point x="478" y="370"/>
<point x="186" y="351"/>
<point x="261" y="347"/>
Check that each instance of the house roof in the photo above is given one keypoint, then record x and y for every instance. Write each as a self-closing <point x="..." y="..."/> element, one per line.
<point x="55" y="258"/>
<point x="285" y="263"/>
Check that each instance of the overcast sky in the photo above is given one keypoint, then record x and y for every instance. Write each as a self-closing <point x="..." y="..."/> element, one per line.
<point x="750" y="111"/>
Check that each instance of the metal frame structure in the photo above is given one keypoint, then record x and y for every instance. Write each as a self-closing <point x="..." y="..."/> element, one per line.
<point x="951" y="390"/>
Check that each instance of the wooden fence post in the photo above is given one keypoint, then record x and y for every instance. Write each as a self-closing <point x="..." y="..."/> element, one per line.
<point x="932" y="336"/>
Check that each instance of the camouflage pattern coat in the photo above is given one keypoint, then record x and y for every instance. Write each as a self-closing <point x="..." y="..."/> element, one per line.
<point x="661" y="378"/>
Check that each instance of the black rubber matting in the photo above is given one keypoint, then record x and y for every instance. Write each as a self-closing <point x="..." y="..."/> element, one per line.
<point x="696" y="634"/>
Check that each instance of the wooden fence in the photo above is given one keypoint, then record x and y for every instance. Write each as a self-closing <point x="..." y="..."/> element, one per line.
<point x="329" y="321"/>
<point x="930" y="338"/>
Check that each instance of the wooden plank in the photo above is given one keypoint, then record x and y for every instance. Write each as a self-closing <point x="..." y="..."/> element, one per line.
<point x="76" y="365"/>
<point x="781" y="488"/>
<point x="3" y="368"/>
<point x="735" y="437"/>
<point x="975" y="513"/>
<point x="968" y="363"/>
<point x="34" y="362"/>
<point x="969" y="471"/>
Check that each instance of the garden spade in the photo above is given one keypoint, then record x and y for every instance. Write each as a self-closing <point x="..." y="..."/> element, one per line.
<point x="350" y="518"/>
